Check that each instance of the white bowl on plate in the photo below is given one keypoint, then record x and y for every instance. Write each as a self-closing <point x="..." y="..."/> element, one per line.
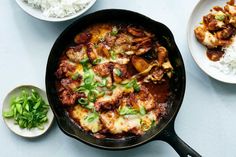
<point x="197" y="50"/>
<point x="29" y="133"/>
<point x="37" y="13"/>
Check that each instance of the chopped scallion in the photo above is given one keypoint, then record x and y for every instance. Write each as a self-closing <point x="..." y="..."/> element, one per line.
<point x="118" y="72"/>
<point x="114" y="31"/>
<point x="91" y="117"/>
<point x="83" y="101"/>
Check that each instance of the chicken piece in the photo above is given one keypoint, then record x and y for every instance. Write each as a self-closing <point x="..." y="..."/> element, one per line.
<point x="139" y="63"/>
<point x="122" y="39"/>
<point x="120" y="73"/>
<point x="110" y="40"/>
<point x="70" y="84"/>
<point x="65" y="68"/>
<point x="218" y="8"/>
<point x="231" y="9"/>
<point x="82" y="38"/>
<point x="68" y="98"/>
<point x="225" y="33"/>
<point x="103" y="50"/>
<point x="110" y="101"/>
<point x="103" y="69"/>
<point x="92" y="53"/>
<point x="205" y="37"/>
<point x="232" y="20"/>
<point x="230" y="2"/>
<point x="83" y="115"/>
<point x="142" y="98"/>
<point x="162" y="54"/>
<point x="137" y="32"/>
<point x="76" y="54"/>
<point x="142" y="45"/>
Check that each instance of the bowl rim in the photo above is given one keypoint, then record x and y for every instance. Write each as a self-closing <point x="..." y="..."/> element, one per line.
<point x="25" y="7"/>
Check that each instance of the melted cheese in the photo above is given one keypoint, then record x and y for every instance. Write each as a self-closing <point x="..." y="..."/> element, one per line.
<point x="80" y="114"/>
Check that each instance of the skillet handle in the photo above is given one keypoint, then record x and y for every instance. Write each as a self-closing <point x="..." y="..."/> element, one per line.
<point x="184" y="150"/>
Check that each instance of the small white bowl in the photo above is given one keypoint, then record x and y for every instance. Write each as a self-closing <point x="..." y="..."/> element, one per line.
<point x="197" y="50"/>
<point x="37" y="13"/>
<point x="29" y="133"/>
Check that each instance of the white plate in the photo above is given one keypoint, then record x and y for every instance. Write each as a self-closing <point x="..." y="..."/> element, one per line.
<point x="37" y="13"/>
<point x="34" y="132"/>
<point x="197" y="50"/>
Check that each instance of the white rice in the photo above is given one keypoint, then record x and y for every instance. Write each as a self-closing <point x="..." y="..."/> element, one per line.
<point x="58" y="8"/>
<point x="227" y="63"/>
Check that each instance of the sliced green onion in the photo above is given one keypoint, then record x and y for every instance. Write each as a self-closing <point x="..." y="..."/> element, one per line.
<point x="91" y="117"/>
<point x="95" y="46"/>
<point x="101" y="39"/>
<point x="92" y="96"/>
<point x="136" y="87"/>
<point x="85" y="64"/>
<point x="220" y="16"/>
<point x="142" y="110"/>
<point x="97" y="61"/>
<point x="19" y="108"/>
<point x="90" y="106"/>
<point x="113" y="54"/>
<point x="28" y="110"/>
<point x="88" y="79"/>
<point x="114" y="31"/>
<point x="127" y="111"/>
<point x="103" y="83"/>
<point x="8" y="114"/>
<point x="100" y="94"/>
<point x="84" y="60"/>
<point x="129" y="84"/>
<point x="117" y="72"/>
<point x="113" y="87"/>
<point x="75" y="76"/>
<point x="83" y="101"/>
<point x="133" y="83"/>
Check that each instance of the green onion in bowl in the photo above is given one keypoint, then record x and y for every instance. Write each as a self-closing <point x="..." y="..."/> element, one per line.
<point x="26" y="111"/>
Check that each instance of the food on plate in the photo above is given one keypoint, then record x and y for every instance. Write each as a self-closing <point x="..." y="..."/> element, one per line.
<point x="217" y="30"/>
<point x="114" y="80"/>
<point x="58" y="8"/>
<point x="28" y="110"/>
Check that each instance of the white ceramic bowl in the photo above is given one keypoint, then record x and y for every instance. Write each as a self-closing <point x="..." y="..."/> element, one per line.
<point x="197" y="50"/>
<point x="37" y="13"/>
<point x="34" y="132"/>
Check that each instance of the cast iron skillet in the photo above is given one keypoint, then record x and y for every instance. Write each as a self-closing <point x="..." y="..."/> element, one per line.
<point x="165" y="129"/>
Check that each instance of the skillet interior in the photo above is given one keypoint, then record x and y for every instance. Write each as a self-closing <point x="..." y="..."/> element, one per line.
<point x="119" y="16"/>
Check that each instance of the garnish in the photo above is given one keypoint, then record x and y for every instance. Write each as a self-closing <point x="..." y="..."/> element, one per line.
<point x="28" y="109"/>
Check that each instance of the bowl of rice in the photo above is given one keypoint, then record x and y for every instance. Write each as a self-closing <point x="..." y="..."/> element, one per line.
<point x="55" y="10"/>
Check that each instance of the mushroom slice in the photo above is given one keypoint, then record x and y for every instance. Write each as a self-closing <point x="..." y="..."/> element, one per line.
<point x="161" y="54"/>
